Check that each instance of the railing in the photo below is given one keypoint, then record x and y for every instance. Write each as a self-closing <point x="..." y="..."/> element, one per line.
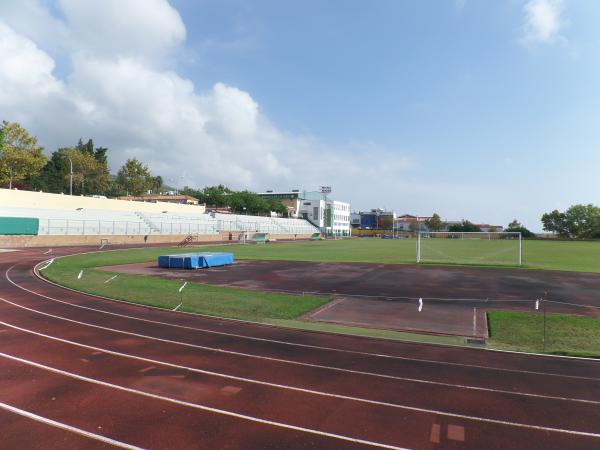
<point x="121" y="227"/>
<point x="117" y="227"/>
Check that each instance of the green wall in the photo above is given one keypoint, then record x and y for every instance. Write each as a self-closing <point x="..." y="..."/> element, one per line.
<point x="19" y="225"/>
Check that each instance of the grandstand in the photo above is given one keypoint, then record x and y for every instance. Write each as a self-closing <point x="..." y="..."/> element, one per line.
<point x="65" y="216"/>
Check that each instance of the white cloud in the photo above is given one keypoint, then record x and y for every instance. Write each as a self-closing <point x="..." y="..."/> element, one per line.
<point x="543" y="21"/>
<point x="122" y="91"/>
<point x="147" y="29"/>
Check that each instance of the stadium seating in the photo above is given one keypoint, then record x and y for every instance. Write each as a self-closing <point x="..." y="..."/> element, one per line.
<point x="86" y="221"/>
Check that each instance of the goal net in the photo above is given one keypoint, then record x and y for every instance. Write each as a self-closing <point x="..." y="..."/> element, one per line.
<point x="502" y="248"/>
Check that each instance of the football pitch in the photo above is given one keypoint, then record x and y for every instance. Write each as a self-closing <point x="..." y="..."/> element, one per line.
<point x="576" y="256"/>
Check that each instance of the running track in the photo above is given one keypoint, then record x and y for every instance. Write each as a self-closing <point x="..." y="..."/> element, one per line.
<point x="81" y="372"/>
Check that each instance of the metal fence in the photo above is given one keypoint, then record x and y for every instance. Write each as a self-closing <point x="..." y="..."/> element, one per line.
<point x="117" y="227"/>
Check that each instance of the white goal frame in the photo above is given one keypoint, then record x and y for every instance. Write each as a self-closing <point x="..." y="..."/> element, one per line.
<point x="467" y="234"/>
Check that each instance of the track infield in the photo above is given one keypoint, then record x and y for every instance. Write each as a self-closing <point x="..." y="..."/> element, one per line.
<point x="387" y="296"/>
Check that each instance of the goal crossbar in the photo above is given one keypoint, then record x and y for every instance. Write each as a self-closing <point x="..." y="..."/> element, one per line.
<point x="503" y="247"/>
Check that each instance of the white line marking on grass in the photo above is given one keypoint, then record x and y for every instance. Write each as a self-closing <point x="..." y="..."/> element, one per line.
<point x="64" y="426"/>
<point x="279" y="360"/>
<point x="207" y="408"/>
<point x="177" y="307"/>
<point x="111" y="278"/>
<point x="80" y="274"/>
<point x="183" y="286"/>
<point x="294" y="344"/>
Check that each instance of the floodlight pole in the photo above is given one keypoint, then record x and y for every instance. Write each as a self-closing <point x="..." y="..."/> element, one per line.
<point x="520" y="249"/>
<point x="418" y="247"/>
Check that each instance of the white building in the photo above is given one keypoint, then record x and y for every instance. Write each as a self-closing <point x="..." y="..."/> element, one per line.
<point x="331" y="216"/>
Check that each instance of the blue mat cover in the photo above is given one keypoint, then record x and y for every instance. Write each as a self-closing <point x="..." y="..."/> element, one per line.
<point x="194" y="260"/>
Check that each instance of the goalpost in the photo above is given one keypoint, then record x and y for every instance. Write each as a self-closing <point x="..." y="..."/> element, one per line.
<point x="470" y="247"/>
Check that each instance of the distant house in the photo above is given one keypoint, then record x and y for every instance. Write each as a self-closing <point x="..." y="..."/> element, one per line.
<point x="408" y="222"/>
<point x="178" y="198"/>
<point x="490" y="228"/>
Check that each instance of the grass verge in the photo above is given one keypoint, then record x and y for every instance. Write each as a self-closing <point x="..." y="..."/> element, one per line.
<point x="565" y="334"/>
<point x="199" y="298"/>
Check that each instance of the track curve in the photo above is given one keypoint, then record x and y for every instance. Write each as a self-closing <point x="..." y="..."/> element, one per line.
<point x="117" y="374"/>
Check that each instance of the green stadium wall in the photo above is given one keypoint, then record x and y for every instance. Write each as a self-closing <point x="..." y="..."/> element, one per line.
<point x="19" y="225"/>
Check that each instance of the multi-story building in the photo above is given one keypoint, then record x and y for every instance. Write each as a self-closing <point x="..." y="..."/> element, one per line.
<point x="377" y="219"/>
<point x="331" y="216"/>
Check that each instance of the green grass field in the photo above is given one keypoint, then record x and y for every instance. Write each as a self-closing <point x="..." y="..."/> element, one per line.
<point x="509" y="332"/>
<point x="549" y="255"/>
<point x="565" y="334"/>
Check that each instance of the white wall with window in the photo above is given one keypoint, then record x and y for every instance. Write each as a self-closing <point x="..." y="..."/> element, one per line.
<point x="316" y="212"/>
<point x="340" y="218"/>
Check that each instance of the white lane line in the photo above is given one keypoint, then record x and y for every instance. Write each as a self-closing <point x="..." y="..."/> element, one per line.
<point x="294" y="344"/>
<point x="298" y="363"/>
<point x="204" y="407"/>
<point x="295" y="427"/>
<point x="492" y="350"/>
<point x="47" y="264"/>
<point x="64" y="426"/>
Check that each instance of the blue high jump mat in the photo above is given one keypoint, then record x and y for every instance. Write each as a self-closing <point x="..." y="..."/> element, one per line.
<point x="195" y="260"/>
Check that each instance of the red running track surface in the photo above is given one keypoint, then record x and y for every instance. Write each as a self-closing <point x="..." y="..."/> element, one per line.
<point x="150" y="378"/>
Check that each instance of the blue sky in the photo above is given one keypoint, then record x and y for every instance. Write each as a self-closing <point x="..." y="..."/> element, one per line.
<point x="478" y="110"/>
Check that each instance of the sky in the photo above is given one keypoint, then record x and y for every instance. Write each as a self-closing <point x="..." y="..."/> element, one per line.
<point x="487" y="111"/>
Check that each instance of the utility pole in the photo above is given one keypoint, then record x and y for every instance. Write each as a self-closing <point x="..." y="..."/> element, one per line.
<point x="71" y="175"/>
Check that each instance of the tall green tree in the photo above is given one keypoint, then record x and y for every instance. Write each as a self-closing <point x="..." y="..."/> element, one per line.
<point x="582" y="221"/>
<point x="516" y="227"/>
<point x="88" y="147"/>
<point x="134" y="177"/>
<point x="555" y="222"/>
<point x="435" y="223"/>
<point x="100" y="155"/>
<point x="465" y="227"/>
<point x="21" y="156"/>
<point x="89" y="175"/>
<point x="157" y="184"/>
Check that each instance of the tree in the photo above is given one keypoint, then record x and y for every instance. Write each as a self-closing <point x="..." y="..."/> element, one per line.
<point x="435" y="223"/>
<point x="556" y="222"/>
<point x="54" y="175"/>
<point x="464" y="227"/>
<point x="20" y="155"/>
<point x="582" y="221"/>
<point x="134" y="177"/>
<point x="157" y="184"/>
<point x="89" y="175"/>
<point x="100" y="155"/>
<point x="88" y="147"/>
<point x="516" y="227"/>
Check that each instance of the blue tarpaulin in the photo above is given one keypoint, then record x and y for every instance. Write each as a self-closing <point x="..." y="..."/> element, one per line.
<point x="195" y="260"/>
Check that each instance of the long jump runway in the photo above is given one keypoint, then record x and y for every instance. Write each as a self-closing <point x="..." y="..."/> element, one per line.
<point x="77" y="371"/>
